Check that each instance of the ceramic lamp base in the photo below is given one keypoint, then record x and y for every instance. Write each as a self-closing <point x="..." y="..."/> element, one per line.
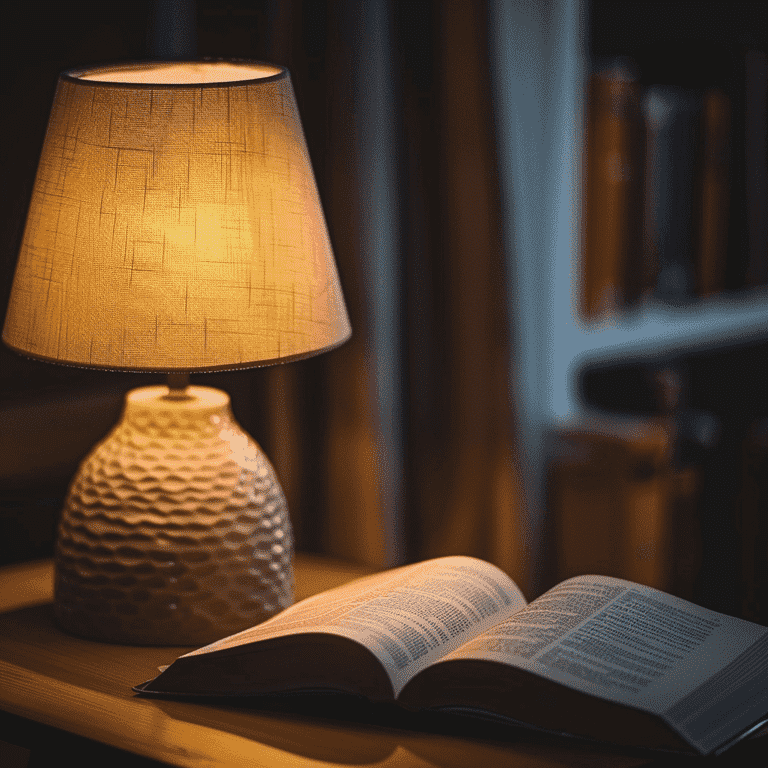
<point x="175" y="530"/>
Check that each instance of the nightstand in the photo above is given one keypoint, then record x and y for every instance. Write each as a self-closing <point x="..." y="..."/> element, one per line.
<point x="67" y="699"/>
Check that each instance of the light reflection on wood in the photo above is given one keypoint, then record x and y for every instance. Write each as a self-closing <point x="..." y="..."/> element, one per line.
<point x="84" y="688"/>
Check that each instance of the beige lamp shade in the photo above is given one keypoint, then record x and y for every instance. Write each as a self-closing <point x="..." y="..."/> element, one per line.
<point x="175" y="224"/>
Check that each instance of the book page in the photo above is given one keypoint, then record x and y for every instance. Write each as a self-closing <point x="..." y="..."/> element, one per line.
<point x="408" y="617"/>
<point x="703" y="671"/>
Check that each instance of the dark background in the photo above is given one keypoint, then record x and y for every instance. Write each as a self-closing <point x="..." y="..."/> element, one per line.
<point x="50" y="413"/>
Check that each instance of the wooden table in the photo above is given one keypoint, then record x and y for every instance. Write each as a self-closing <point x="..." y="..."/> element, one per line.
<point x="63" y="696"/>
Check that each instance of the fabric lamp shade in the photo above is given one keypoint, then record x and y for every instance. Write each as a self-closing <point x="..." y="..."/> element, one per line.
<point x="175" y="225"/>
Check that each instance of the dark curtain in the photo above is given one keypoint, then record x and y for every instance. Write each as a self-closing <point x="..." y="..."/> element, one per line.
<point x="398" y="445"/>
<point x="404" y="446"/>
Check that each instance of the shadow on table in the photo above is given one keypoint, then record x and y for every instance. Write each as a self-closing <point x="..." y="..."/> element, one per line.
<point x="346" y="729"/>
<point x="342" y="728"/>
<point x="338" y="727"/>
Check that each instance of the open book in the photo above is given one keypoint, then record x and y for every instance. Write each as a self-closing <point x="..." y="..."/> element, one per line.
<point x="594" y="656"/>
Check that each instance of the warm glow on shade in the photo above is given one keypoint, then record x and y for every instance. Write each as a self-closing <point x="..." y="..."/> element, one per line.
<point x="175" y="225"/>
<point x="180" y="72"/>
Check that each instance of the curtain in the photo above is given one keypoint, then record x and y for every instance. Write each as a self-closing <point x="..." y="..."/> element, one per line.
<point x="399" y="445"/>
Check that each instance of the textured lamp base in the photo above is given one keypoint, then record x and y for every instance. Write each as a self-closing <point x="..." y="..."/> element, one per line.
<point x="175" y="530"/>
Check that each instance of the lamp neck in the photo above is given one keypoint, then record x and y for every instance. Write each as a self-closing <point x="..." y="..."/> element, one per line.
<point x="177" y="386"/>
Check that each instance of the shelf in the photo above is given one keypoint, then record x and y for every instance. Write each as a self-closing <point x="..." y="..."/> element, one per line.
<point x="654" y="331"/>
<point x="540" y="65"/>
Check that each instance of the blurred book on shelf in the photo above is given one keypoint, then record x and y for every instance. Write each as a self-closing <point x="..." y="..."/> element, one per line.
<point x="672" y="121"/>
<point x="612" y="267"/>
<point x="714" y="193"/>
<point x="625" y="490"/>
<point x="620" y="506"/>
<point x="676" y="187"/>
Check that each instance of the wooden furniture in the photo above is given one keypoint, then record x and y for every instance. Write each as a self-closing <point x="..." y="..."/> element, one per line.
<point x="61" y="696"/>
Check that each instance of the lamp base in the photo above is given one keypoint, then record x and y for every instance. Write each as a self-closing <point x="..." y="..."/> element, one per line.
<point x="175" y="530"/>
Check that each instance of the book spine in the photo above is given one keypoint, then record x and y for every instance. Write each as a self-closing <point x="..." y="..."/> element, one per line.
<point x="714" y="201"/>
<point x="598" y="470"/>
<point x="672" y="117"/>
<point x="613" y="192"/>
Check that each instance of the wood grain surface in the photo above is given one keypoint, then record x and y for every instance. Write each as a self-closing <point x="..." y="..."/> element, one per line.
<point x="84" y="688"/>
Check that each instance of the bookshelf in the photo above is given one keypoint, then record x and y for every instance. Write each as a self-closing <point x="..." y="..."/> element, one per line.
<point x="655" y="331"/>
<point x="540" y="56"/>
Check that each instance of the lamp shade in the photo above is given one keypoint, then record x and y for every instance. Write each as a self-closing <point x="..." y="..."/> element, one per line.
<point x="175" y="224"/>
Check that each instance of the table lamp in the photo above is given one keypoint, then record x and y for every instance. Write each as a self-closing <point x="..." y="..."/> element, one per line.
<point x="174" y="227"/>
